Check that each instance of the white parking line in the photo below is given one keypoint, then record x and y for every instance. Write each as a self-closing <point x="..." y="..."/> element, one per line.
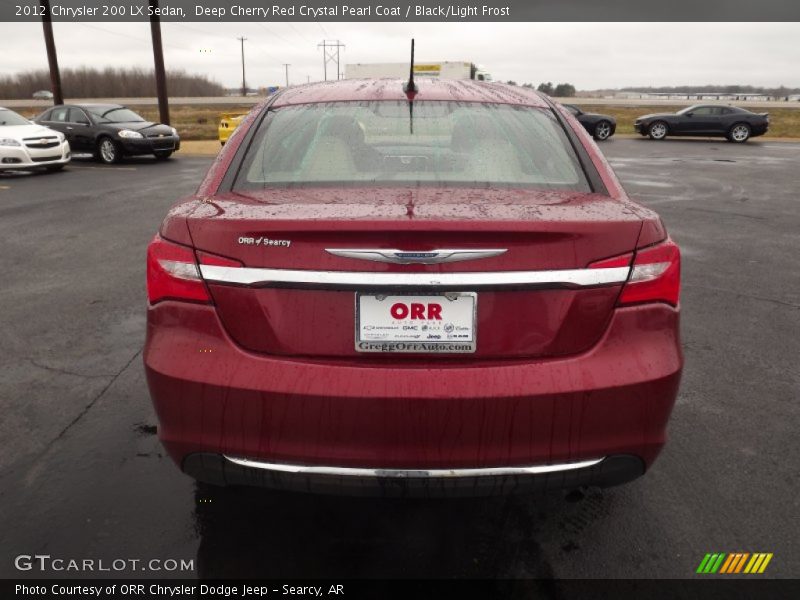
<point x="642" y="183"/>
<point x="785" y="146"/>
<point x="104" y="168"/>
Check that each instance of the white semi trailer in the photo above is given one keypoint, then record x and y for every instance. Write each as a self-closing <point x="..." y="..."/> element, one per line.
<point x="439" y="70"/>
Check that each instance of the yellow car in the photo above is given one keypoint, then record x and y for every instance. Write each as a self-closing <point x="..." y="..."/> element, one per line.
<point x="227" y="123"/>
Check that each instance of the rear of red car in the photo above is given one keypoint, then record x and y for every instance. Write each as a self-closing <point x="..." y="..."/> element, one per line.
<point x="450" y="295"/>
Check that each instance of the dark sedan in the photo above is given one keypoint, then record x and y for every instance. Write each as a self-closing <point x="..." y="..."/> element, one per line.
<point x="601" y="127"/>
<point x="736" y="124"/>
<point x="110" y="131"/>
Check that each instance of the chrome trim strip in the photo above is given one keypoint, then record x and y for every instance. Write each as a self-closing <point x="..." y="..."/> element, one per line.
<point x="411" y="473"/>
<point x="415" y="257"/>
<point x="566" y="278"/>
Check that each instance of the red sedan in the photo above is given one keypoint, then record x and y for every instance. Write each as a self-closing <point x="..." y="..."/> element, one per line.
<point x="439" y="291"/>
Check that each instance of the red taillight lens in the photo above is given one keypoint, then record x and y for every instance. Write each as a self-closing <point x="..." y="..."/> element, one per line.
<point x="655" y="274"/>
<point x="172" y="273"/>
<point x="655" y="277"/>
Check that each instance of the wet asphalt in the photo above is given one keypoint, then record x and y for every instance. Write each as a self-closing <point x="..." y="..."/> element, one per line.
<point x="82" y="473"/>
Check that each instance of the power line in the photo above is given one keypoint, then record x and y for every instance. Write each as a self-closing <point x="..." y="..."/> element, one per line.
<point x="302" y="35"/>
<point x="277" y="35"/>
<point x="133" y="37"/>
<point x="322" y="28"/>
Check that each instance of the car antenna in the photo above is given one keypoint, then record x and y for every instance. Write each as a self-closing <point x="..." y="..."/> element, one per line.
<point x="411" y="89"/>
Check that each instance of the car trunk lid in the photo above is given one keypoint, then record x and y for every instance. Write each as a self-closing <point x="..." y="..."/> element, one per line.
<point x="276" y="231"/>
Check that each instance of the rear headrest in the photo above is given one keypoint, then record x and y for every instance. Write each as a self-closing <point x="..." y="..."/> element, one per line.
<point x="469" y="130"/>
<point x="343" y="127"/>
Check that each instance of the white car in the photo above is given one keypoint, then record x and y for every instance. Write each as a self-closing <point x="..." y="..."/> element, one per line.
<point x="25" y="145"/>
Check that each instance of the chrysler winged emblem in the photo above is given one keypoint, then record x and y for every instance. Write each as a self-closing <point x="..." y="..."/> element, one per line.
<point x="415" y="257"/>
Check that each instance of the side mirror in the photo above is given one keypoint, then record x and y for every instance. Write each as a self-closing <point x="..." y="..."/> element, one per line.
<point x="691" y="114"/>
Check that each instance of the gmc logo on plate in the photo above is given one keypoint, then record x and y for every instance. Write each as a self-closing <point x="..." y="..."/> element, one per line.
<point x="415" y="310"/>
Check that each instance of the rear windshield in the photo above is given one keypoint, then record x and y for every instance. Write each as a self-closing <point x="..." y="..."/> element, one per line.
<point x="114" y="114"/>
<point x="443" y="143"/>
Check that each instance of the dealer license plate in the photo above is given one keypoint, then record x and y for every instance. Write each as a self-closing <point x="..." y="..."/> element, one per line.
<point x="434" y="323"/>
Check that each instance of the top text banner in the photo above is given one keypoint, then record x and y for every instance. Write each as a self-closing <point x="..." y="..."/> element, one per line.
<point x="404" y="10"/>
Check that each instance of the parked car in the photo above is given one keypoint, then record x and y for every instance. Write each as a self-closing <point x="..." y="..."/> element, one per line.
<point x="736" y="124"/>
<point x="365" y="298"/>
<point x="43" y="95"/>
<point x="228" y="122"/>
<point x="25" y="145"/>
<point x="601" y="127"/>
<point x="110" y="131"/>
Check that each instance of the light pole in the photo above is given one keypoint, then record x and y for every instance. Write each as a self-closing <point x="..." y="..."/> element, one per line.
<point x="52" y="57"/>
<point x="244" y="84"/>
<point x="286" y="66"/>
<point x="158" y="60"/>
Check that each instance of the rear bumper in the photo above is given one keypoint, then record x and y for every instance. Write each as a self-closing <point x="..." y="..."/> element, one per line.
<point x="218" y="469"/>
<point x="215" y="399"/>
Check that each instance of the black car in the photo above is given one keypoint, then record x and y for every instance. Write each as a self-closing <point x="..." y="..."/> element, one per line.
<point x="110" y="131"/>
<point x="601" y="127"/>
<point x="736" y="124"/>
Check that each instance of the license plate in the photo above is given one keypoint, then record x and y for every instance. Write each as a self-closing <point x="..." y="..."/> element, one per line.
<point x="432" y="323"/>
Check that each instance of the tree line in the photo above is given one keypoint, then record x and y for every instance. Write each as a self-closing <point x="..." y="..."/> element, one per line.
<point x="716" y="89"/>
<point x="560" y="90"/>
<point x="109" y="82"/>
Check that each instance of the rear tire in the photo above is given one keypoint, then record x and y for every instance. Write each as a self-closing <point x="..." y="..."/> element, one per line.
<point x="739" y="133"/>
<point x="162" y="154"/>
<point x="108" y="151"/>
<point x="658" y="130"/>
<point x="602" y="130"/>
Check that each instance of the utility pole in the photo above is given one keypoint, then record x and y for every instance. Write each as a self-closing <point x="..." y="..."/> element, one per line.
<point x="287" y="65"/>
<point x="330" y="53"/>
<point x="158" y="59"/>
<point x="52" y="58"/>
<point x="244" y="85"/>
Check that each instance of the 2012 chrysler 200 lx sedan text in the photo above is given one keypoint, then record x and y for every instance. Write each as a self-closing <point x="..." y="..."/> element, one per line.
<point x="438" y="290"/>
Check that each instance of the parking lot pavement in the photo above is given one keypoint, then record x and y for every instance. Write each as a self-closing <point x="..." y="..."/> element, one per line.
<point x="83" y="475"/>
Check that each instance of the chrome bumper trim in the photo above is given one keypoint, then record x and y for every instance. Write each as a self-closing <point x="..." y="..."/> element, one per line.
<point x="411" y="473"/>
<point x="566" y="278"/>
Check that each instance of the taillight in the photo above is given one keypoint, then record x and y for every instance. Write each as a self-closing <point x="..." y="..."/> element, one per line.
<point x="172" y="273"/>
<point x="655" y="274"/>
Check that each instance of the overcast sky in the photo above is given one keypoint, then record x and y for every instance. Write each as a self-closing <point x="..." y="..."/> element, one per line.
<point x="588" y="55"/>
